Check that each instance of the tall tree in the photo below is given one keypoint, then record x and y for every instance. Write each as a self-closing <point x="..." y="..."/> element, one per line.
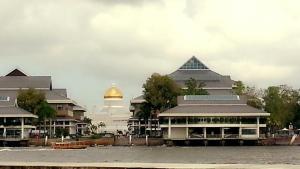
<point x="88" y="121"/>
<point x="30" y="100"/>
<point x="144" y="113"/>
<point x="254" y="97"/>
<point x="281" y="102"/>
<point x="194" y="88"/>
<point x="239" y="88"/>
<point x="101" y="125"/>
<point x="46" y="112"/>
<point x="160" y="92"/>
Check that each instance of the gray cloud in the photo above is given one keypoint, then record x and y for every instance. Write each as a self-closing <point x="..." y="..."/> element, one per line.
<point x="90" y="44"/>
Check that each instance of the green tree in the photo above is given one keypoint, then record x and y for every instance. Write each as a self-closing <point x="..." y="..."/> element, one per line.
<point x="45" y="112"/>
<point x="282" y="103"/>
<point x="94" y="128"/>
<point x="30" y="99"/>
<point x="34" y="101"/>
<point x="160" y="92"/>
<point x="239" y="88"/>
<point x="88" y="121"/>
<point x="254" y="97"/>
<point x="101" y="125"/>
<point x="144" y="113"/>
<point x="194" y="88"/>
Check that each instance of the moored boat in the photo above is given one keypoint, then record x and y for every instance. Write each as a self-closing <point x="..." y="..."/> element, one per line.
<point x="69" y="145"/>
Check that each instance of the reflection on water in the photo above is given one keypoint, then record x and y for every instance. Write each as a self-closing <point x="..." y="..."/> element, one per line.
<point x="194" y="155"/>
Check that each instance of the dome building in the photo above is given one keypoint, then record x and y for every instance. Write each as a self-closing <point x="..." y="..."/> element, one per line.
<point x="114" y="114"/>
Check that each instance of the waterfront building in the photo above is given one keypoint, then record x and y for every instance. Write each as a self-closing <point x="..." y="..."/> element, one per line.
<point x="213" y="117"/>
<point x="114" y="113"/>
<point x="68" y="114"/>
<point x="217" y="116"/>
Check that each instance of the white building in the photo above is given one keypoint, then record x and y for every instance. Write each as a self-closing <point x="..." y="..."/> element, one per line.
<point x="114" y="114"/>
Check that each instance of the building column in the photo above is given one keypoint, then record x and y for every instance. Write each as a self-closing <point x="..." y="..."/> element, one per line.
<point x="204" y="132"/>
<point x="139" y="127"/>
<point x="22" y="128"/>
<point x="54" y="127"/>
<point x="186" y="129"/>
<point x="222" y="132"/>
<point x="4" y="132"/>
<point x="240" y="132"/>
<point x="169" y="128"/>
<point x="257" y="125"/>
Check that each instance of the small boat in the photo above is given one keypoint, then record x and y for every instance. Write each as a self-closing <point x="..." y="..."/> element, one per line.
<point x="69" y="145"/>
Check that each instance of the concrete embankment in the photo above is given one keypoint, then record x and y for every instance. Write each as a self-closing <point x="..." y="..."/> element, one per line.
<point x="141" y="165"/>
<point x="121" y="141"/>
<point x="124" y="141"/>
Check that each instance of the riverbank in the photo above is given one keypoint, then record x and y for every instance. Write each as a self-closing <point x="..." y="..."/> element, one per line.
<point x="141" y="165"/>
<point x="121" y="141"/>
<point x="125" y="141"/>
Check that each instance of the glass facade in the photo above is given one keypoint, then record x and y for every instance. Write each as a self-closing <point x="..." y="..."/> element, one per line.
<point x="193" y="64"/>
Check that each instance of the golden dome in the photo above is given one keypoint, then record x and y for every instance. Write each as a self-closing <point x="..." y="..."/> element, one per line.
<point x="113" y="93"/>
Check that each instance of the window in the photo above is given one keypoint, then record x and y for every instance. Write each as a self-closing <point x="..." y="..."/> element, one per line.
<point x="4" y="98"/>
<point x="59" y="107"/>
<point x="248" y="131"/>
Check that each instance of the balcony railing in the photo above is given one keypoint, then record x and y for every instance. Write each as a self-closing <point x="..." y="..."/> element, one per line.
<point x="10" y="137"/>
<point x="213" y="136"/>
<point x="195" y="135"/>
<point x="231" y="135"/>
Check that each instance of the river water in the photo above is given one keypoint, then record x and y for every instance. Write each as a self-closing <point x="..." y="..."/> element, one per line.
<point x="184" y="155"/>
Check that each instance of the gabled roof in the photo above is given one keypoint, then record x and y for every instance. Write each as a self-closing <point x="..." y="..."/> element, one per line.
<point x="16" y="72"/>
<point x="25" y="82"/>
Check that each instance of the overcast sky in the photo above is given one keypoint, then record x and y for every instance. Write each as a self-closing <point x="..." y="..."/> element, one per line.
<point x="85" y="45"/>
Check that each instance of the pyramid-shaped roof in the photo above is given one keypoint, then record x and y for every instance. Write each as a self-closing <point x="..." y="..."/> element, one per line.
<point x="193" y="64"/>
<point x="195" y="69"/>
<point x="16" y="72"/>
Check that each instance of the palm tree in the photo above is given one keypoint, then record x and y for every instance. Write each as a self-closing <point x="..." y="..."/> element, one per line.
<point x="100" y="125"/>
<point x="144" y="113"/>
<point x="93" y="129"/>
<point x="45" y="112"/>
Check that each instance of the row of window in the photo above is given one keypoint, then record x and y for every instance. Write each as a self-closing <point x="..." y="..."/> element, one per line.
<point x="216" y="120"/>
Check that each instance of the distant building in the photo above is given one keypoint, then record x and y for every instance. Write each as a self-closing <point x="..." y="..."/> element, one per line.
<point x="69" y="114"/>
<point x="219" y="115"/>
<point x="113" y="114"/>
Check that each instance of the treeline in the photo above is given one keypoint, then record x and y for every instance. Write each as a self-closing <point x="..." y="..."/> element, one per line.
<point x="282" y="102"/>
